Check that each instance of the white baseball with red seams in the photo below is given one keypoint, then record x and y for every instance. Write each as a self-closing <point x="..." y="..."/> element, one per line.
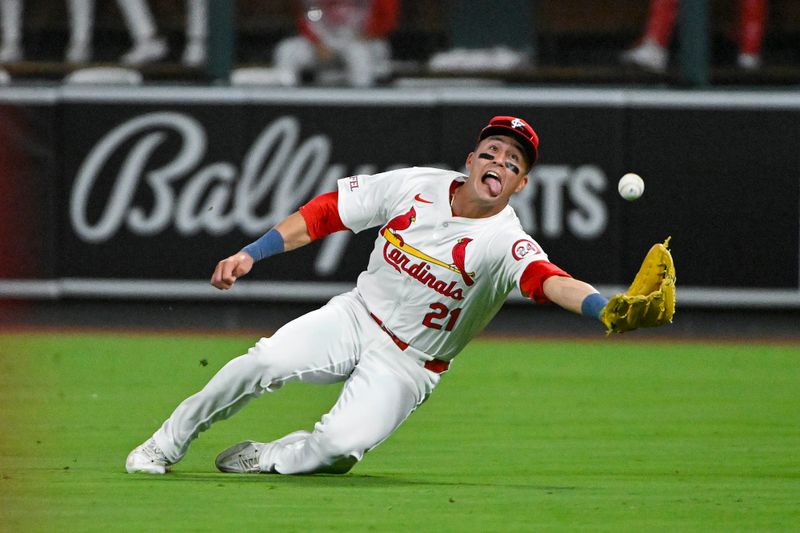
<point x="434" y="280"/>
<point x="630" y="186"/>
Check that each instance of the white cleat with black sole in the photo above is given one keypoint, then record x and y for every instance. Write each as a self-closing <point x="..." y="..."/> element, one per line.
<point x="147" y="458"/>
<point x="241" y="458"/>
<point x="244" y="458"/>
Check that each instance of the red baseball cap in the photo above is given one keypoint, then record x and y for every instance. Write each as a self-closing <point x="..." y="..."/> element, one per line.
<point x="516" y="128"/>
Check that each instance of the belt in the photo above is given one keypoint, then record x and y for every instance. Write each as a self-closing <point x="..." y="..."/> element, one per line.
<point x="434" y="365"/>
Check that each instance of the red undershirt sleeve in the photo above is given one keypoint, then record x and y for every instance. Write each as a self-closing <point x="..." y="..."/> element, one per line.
<point x="322" y="215"/>
<point x="532" y="280"/>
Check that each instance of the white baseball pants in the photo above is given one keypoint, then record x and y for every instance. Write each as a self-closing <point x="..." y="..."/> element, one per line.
<point x="339" y="342"/>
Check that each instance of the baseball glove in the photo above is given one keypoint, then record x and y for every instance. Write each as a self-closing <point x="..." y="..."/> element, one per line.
<point x="650" y="300"/>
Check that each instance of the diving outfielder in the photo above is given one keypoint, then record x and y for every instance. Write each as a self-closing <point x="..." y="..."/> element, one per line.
<point x="449" y="250"/>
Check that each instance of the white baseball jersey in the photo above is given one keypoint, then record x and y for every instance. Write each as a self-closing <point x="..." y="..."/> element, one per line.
<point x="435" y="280"/>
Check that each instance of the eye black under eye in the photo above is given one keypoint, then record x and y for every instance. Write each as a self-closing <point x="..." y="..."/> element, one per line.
<point x="512" y="167"/>
<point x="484" y="155"/>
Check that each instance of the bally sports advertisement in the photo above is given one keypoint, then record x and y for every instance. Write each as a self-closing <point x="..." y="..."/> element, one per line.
<point x="137" y="193"/>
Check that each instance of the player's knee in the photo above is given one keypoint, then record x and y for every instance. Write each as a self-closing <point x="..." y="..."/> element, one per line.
<point x="340" y="466"/>
<point x="338" y="454"/>
<point x="262" y="360"/>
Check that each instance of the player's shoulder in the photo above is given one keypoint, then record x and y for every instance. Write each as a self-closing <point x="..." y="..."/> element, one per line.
<point x="435" y="172"/>
<point x="416" y="178"/>
<point x="508" y="220"/>
<point x="423" y="173"/>
<point x="509" y="238"/>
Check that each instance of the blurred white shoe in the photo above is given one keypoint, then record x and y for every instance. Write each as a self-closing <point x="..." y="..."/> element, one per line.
<point x="504" y="58"/>
<point x="105" y="76"/>
<point x="648" y="55"/>
<point x="381" y="58"/>
<point x="11" y="53"/>
<point x="498" y="58"/>
<point x="749" y="61"/>
<point x="147" y="458"/>
<point x="454" y="59"/>
<point x="79" y="52"/>
<point x="266" y="76"/>
<point x="195" y="54"/>
<point x="360" y="70"/>
<point x="145" y="52"/>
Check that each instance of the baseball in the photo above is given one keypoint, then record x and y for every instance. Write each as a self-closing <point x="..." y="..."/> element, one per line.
<point x="631" y="186"/>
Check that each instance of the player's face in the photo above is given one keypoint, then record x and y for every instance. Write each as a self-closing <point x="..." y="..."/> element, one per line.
<point x="497" y="169"/>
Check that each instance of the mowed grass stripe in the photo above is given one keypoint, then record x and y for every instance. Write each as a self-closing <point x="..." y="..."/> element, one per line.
<point x="519" y="436"/>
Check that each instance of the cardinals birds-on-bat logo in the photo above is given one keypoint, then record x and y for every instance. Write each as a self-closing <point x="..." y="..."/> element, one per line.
<point x="402" y="222"/>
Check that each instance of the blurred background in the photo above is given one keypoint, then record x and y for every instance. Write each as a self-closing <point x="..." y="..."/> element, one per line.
<point x="141" y="142"/>
<point x="516" y="41"/>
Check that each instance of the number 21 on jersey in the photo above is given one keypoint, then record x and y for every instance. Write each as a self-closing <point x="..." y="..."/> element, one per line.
<point x="438" y="317"/>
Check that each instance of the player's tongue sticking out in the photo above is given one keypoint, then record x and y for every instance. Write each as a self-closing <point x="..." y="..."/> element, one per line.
<point x="493" y="182"/>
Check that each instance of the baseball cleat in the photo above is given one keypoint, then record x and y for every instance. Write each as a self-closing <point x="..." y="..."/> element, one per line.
<point x="147" y="458"/>
<point x="241" y="458"/>
<point x="146" y="51"/>
<point x="244" y="458"/>
<point x="648" y="55"/>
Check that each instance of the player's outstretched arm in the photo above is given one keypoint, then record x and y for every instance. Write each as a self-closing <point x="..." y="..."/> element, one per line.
<point x="649" y="302"/>
<point x="290" y="234"/>
<point x="569" y="293"/>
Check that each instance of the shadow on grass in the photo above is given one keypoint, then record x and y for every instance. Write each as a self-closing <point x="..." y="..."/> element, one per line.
<point x="329" y="480"/>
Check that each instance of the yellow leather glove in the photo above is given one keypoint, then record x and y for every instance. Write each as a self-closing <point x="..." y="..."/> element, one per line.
<point x="650" y="300"/>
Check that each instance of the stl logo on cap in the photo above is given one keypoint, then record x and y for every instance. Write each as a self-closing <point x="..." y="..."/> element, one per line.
<point x="519" y="129"/>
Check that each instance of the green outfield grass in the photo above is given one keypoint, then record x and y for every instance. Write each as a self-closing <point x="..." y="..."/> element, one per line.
<point x="607" y="435"/>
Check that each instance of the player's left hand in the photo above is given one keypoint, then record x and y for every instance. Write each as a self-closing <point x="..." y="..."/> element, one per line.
<point x="650" y="300"/>
<point x="230" y="269"/>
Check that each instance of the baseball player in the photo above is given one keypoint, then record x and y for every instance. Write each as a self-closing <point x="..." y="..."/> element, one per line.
<point x="448" y="251"/>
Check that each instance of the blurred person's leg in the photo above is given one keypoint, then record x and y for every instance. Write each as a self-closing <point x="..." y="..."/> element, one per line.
<point x="147" y="45"/>
<point x="752" y="19"/>
<point x="11" y="14"/>
<point x="81" y="24"/>
<point x="359" y="64"/>
<point x="381" y="57"/>
<point x="292" y="56"/>
<point x="661" y="22"/>
<point x="196" y="51"/>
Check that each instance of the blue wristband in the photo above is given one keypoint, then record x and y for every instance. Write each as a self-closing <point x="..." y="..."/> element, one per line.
<point x="593" y="305"/>
<point x="270" y="243"/>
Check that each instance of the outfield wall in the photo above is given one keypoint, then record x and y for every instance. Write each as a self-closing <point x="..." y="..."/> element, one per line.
<point x="138" y="192"/>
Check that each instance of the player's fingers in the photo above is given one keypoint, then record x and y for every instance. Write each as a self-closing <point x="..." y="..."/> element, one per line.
<point x="240" y="270"/>
<point x="216" y="279"/>
<point x="223" y="277"/>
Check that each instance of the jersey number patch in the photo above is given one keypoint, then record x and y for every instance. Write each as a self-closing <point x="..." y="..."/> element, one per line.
<point x="435" y="319"/>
